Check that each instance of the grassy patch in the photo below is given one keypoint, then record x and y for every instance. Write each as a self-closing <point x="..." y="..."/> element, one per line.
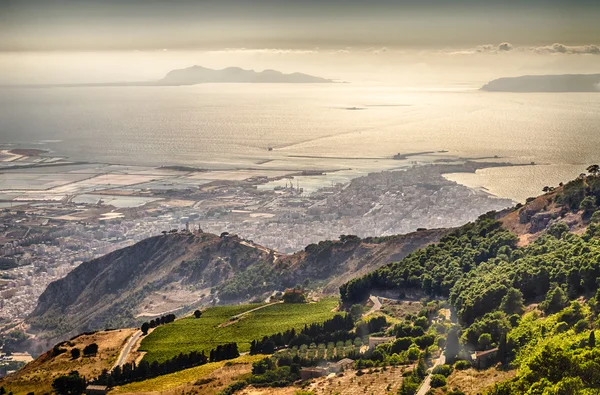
<point x="173" y="380"/>
<point x="473" y="382"/>
<point x="205" y="333"/>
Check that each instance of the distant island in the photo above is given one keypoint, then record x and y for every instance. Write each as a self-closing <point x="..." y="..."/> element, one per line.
<point x="546" y="83"/>
<point x="201" y="75"/>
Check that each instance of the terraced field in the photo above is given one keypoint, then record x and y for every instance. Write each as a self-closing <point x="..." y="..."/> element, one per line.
<point x="215" y="327"/>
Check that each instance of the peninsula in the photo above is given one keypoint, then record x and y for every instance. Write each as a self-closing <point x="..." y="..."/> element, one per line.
<point x="546" y="83"/>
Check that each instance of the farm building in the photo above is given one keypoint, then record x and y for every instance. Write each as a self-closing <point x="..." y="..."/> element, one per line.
<point x="96" y="390"/>
<point x="312" y="373"/>
<point x="341" y="365"/>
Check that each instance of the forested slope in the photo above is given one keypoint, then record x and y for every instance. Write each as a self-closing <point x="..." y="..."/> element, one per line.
<point x="489" y="276"/>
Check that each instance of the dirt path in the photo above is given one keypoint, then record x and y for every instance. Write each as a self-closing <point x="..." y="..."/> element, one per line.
<point x="236" y="317"/>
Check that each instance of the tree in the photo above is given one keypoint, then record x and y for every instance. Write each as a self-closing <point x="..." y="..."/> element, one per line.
<point x="485" y="340"/>
<point x="197" y="314"/>
<point x="421" y="368"/>
<point x="512" y="302"/>
<point x="145" y="328"/>
<point x="413" y="353"/>
<point x="593" y="169"/>
<point x="401" y="344"/>
<point x="294" y="296"/>
<point x="75" y="353"/>
<point x="556" y="300"/>
<point x="588" y="205"/>
<point x="90" y="349"/>
<point x="71" y="384"/>
<point x="408" y="387"/>
<point x="502" y="349"/>
<point x="592" y="340"/>
<point x="452" y="344"/>
<point x="558" y="229"/>
<point x="356" y="311"/>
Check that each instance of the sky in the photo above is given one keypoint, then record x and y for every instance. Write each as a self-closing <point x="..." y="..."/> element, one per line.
<point x="79" y="40"/>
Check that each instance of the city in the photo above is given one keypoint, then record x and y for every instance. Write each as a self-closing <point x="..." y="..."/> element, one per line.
<point x="48" y="232"/>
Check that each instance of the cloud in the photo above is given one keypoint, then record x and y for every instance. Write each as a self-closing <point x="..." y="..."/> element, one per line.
<point x="505" y="47"/>
<point x="275" y="51"/>
<point x="555" y="48"/>
<point x="378" y="50"/>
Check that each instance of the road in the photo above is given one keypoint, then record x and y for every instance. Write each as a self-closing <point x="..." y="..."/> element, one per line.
<point x="426" y="386"/>
<point x="125" y="351"/>
<point x="376" y="305"/>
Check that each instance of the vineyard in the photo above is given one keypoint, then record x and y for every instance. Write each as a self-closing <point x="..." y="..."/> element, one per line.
<point x="215" y="327"/>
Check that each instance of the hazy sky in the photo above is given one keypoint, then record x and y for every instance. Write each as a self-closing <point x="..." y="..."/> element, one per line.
<point x="100" y="40"/>
<point x="30" y="25"/>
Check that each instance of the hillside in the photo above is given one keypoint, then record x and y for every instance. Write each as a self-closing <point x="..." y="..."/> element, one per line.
<point x="546" y="83"/>
<point x="518" y="287"/>
<point x="37" y="376"/>
<point x="175" y="271"/>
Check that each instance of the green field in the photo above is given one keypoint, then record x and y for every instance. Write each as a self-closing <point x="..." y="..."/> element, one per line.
<point x="204" y="334"/>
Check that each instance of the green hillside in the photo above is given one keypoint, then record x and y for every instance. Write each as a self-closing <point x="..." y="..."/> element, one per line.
<point x="215" y="327"/>
<point x="489" y="276"/>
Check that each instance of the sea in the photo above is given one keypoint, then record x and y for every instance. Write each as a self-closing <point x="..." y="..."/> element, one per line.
<point x="348" y="127"/>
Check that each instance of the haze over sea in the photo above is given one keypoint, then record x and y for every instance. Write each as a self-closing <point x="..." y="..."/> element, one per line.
<point x="321" y="126"/>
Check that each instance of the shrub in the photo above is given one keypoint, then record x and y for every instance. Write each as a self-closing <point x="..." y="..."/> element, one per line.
<point x="75" y="353"/>
<point x="561" y="327"/>
<point x="462" y="365"/>
<point x="413" y="353"/>
<point x="438" y="380"/>
<point x="444" y="370"/>
<point x="90" y="349"/>
<point x="580" y="326"/>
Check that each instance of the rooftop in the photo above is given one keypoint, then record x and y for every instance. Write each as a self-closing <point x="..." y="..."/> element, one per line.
<point x="486" y="352"/>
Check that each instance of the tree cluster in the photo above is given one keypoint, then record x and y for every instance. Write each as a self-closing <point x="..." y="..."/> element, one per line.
<point x="436" y="268"/>
<point x="165" y="319"/>
<point x="223" y="352"/>
<point x="332" y="330"/>
<point x="69" y="384"/>
<point x="131" y="372"/>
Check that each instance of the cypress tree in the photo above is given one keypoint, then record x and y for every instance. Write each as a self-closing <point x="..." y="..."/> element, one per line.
<point x="452" y="345"/>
